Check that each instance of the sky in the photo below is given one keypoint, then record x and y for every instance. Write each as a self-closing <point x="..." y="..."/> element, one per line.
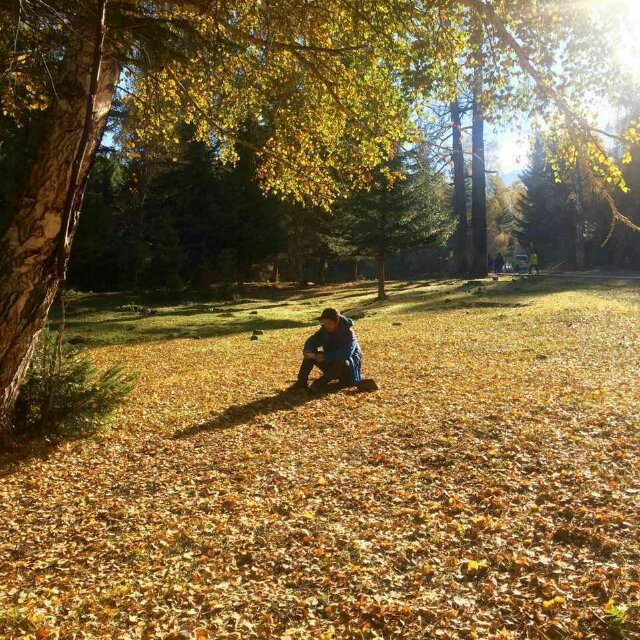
<point x="509" y="151"/>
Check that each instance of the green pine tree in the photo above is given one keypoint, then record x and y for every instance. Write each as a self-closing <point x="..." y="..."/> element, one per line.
<point x="411" y="214"/>
<point x="543" y="209"/>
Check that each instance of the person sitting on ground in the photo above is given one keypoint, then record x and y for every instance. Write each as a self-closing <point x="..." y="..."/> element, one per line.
<point x="340" y="358"/>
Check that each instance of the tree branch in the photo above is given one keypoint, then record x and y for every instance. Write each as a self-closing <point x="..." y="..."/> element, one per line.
<point x="573" y="120"/>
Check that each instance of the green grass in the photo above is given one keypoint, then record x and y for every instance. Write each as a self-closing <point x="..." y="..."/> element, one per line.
<point x="95" y="320"/>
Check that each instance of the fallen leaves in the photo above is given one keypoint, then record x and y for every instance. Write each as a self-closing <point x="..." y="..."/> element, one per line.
<point x="550" y="605"/>
<point x="481" y="493"/>
<point x="474" y="568"/>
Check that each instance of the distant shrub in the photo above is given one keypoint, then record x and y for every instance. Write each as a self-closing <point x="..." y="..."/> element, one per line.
<point x="131" y="308"/>
<point x="175" y="283"/>
<point x="64" y="394"/>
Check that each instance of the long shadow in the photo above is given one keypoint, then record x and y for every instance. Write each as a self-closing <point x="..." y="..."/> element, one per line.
<point x="514" y="293"/>
<point x="243" y="413"/>
<point x="128" y="331"/>
<point x="126" y="327"/>
<point x="23" y="450"/>
<point x="416" y="296"/>
<point x="235" y="326"/>
<point x="11" y="462"/>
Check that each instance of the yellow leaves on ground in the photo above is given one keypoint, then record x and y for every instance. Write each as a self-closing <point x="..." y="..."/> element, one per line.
<point x="474" y="568"/>
<point x="483" y="492"/>
<point x="549" y="605"/>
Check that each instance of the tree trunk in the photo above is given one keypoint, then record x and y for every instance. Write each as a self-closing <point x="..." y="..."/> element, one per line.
<point x="382" y="294"/>
<point x="479" y="183"/>
<point x="275" y="272"/>
<point x="620" y="247"/>
<point x="459" y="193"/>
<point x="302" y="281"/>
<point x="578" y="223"/>
<point x="240" y="276"/>
<point x="353" y="270"/>
<point x="34" y="250"/>
<point x="382" y="243"/>
<point x="323" y="263"/>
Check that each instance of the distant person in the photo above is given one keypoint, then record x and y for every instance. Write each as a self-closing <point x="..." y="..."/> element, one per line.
<point x="533" y="263"/>
<point x="499" y="263"/>
<point x="340" y="359"/>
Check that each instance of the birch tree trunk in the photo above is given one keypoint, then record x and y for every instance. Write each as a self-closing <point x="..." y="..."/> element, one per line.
<point x="34" y="250"/>
<point x="382" y="246"/>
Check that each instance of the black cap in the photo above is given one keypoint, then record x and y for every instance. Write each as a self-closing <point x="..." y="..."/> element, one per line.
<point x="330" y="314"/>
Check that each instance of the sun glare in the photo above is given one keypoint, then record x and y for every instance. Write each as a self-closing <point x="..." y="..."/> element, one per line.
<point x="627" y="48"/>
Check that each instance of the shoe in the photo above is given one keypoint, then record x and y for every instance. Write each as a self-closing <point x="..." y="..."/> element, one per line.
<point x="367" y="384"/>
<point x="298" y="386"/>
<point x="316" y="389"/>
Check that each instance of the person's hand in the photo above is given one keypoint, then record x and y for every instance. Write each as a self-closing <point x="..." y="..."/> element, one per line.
<point x="309" y="356"/>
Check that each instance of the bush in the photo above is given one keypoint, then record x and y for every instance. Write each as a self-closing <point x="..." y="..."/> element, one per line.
<point x="64" y="394"/>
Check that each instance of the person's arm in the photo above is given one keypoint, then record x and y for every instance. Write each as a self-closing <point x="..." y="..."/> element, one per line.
<point x="313" y="342"/>
<point x="345" y="350"/>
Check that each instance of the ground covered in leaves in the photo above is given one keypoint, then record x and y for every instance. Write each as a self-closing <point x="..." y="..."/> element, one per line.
<point x="490" y="489"/>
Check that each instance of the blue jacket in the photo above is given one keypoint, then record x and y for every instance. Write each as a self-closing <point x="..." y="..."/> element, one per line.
<point x="340" y="345"/>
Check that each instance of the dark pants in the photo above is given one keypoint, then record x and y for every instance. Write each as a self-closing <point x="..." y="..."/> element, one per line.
<point x="339" y="370"/>
<point x="532" y="267"/>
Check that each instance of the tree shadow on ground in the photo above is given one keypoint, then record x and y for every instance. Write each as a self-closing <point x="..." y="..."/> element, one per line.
<point x="515" y="292"/>
<point x="140" y="330"/>
<point x="273" y="295"/>
<point x="243" y="413"/>
<point x="207" y="320"/>
<point x="10" y="461"/>
<point x="35" y="447"/>
<point x="191" y="320"/>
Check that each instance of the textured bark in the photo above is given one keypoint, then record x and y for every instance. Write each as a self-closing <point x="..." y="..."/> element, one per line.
<point x="479" y="183"/>
<point x="459" y="192"/>
<point x="34" y="250"/>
